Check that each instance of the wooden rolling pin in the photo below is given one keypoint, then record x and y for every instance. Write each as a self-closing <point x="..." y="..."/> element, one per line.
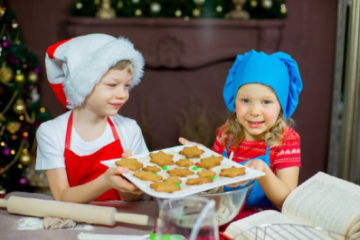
<point x="75" y="211"/>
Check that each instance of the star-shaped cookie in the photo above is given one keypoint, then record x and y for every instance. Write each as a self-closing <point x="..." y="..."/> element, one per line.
<point x="162" y="159"/>
<point x="206" y="173"/>
<point x="165" y="187"/>
<point x="184" y="163"/>
<point x="192" y="152"/>
<point x="151" y="169"/>
<point x="180" y="172"/>
<point x="131" y="163"/>
<point x="210" y="162"/>
<point x="173" y="180"/>
<point x="232" y="172"/>
<point x="147" y="176"/>
<point x="199" y="180"/>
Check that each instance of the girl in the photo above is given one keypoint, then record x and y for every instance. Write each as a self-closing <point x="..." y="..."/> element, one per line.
<point x="91" y="75"/>
<point x="262" y="92"/>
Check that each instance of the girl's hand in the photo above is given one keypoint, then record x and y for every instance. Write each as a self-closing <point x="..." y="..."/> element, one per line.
<point x="184" y="141"/>
<point x="256" y="164"/>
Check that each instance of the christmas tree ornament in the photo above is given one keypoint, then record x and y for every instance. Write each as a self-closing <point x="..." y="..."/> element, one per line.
<point x="96" y="2"/>
<point x="33" y="77"/>
<point x="23" y="181"/>
<point x="253" y="3"/>
<point x="219" y="9"/>
<point x="6" y="151"/>
<point x="37" y="70"/>
<point x="138" y="12"/>
<point x="25" y="158"/>
<point x="79" y="5"/>
<point x="283" y="8"/>
<point x="196" y="12"/>
<point x="105" y="11"/>
<point x="14" y="137"/>
<point x="178" y="13"/>
<point x="120" y="5"/>
<point x="238" y="12"/>
<point x="14" y="24"/>
<point x="6" y="74"/>
<point x="135" y="1"/>
<point x="199" y="2"/>
<point x="19" y="78"/>
<point x="267" y="4"/>
<point x="13" y="127"/>
<point x="5" y="43"/>
<point x="2" y="13"/>
<point x="155" y="8"/>
<point x="19" y="107"/>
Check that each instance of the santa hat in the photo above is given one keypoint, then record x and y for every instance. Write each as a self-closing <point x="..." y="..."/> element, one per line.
<point x="278" y="71"/>
<point x="76" y="65"/>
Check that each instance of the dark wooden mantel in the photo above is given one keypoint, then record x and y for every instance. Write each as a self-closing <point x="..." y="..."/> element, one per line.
<point x="195" y="43"/>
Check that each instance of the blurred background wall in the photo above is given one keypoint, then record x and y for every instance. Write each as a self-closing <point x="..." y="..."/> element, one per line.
<point x="308" y="35"/>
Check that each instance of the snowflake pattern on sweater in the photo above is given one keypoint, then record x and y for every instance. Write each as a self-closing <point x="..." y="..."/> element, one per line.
<point x="284" y="156"/>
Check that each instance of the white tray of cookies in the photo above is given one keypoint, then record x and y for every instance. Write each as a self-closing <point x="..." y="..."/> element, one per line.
<point x="182" y="171"/>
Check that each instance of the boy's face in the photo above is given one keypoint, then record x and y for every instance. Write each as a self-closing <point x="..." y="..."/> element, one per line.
<point x="111" y="93"/>
<point x="257" y="109"/>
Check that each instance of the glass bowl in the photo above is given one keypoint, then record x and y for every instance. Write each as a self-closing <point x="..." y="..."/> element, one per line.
<point x="227" y="204"/>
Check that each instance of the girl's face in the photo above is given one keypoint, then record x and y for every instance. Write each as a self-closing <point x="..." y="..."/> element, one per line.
<point x="110" y="94"/>
<point x="257" y="110"/>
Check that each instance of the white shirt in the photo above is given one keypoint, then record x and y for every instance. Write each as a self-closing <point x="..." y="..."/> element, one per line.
<point x="51" y="140"/>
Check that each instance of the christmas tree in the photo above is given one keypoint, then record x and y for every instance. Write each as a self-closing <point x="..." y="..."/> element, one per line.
<point x="256" y="9"/>
<point x="20" y="109"/>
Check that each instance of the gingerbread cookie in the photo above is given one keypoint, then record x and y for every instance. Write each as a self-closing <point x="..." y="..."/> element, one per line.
<point x="162" y="159"/>
<point x="184" y="163"/>
<point x="173" y="180"/>
<point x="210" y="162"/>
<point x="199" y="180"/>
<point x="131" y="163"/>
<point x="192" y="152"/>
<point x="147" y="176"/>
<point x="165" y="187"/>
<point x="151" y="169"/>
<point x="180" y="172"/>
<point x="206" y="173"/>
<point x="232" y="172"/>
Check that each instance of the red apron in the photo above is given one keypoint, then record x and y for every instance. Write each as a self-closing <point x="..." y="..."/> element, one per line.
<point x="83" y="169"/>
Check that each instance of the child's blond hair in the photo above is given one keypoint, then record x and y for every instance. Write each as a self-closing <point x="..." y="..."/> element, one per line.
<point x="122" y="65"/>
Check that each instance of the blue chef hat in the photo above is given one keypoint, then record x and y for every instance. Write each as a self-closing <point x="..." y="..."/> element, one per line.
<point x="278" y="71"/>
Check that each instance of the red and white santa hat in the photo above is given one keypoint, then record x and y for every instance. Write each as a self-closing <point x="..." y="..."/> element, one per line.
<point x="76" y="65"/>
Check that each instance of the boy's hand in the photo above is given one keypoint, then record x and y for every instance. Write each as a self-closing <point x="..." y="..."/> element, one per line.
<point x="126" y="154"/>
<point x="115" y="180"/>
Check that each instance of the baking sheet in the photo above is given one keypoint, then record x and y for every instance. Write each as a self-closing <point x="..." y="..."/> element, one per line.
<point x="186" y="190"/>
